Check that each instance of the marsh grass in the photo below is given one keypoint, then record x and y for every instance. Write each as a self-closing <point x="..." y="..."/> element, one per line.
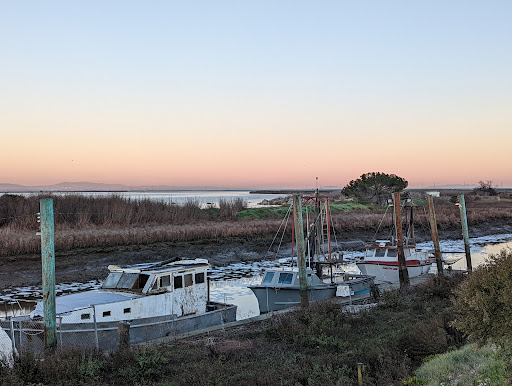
<point x="82" y="221"/>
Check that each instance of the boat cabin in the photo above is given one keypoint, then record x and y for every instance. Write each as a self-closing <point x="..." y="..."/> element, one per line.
<point x="288" y="278"/>
<point x="139" y="291"/>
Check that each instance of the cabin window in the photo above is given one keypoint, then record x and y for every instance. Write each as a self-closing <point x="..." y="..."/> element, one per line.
<point x="188" y="280"/>
<point x="269" y="276"/>
<point x="127" y="280"/>
<point x="178" y="281"/>
<point x="165" y="281"/>
<point x="380" y="252"/>
<point x="85" y="316"/>
<point x="285" y="278"/>
<point x="106" y="313"/>
<point x="112" y="280"/>
<point x="127" y="310"/>
<point x="369" y="252"/>
<point x="199" y="278"/>
<point x="391" y="252"/>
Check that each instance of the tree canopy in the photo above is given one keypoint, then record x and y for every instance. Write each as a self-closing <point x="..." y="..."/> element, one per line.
<point x="375" y="187"/>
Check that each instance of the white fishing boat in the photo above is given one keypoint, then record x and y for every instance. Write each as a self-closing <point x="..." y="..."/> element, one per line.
<point x="154" y="300"/>
<point x="381" y="258"/>
<point x="381" y="261"/>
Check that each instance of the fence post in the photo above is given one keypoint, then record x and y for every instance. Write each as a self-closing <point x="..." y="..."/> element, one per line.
<point x="96" y="340"/>
<point x="60" y="331"/>
<point x="124" y="334"/>
<point x="20" y="327"/>
<point x="13" y="338"/>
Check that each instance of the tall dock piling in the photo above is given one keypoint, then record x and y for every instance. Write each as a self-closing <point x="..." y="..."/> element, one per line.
<point x="465" y="232"/>
<point x="435" y="235"/>
<point x="301" y="259"/>
<point x="48" y="262"/>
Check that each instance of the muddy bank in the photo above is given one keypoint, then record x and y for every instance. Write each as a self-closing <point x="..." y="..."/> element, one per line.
<point x="82" y="265"/>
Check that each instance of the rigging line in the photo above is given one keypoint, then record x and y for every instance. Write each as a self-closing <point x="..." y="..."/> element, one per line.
<point x="287" y="217"/>
<point x="334" y="231"/>
<point x="278" y="230"/>
<point x="381" y="221"/>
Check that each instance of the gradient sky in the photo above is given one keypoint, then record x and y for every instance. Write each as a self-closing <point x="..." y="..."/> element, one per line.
<point x="255" y="94"/>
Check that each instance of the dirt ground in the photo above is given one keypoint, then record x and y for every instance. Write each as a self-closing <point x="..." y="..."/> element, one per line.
<point x="82" y="265"/>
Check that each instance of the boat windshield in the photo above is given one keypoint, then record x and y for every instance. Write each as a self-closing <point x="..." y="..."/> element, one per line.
<point x="391" y="252"/>
<point x="380" y="252"/>
<point x="120" y="280"/>
<point x="269" y="276"/>
<point x="285" y="278"/>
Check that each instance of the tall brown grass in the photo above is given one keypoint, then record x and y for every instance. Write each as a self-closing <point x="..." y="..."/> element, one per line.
<point x="82" y="221"/>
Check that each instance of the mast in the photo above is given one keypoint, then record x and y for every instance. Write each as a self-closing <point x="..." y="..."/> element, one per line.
<point x="403" y="274"/>
<point x="301" y="260"/>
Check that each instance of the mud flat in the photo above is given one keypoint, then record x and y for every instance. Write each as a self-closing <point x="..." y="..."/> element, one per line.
<point x="84" y="265"/>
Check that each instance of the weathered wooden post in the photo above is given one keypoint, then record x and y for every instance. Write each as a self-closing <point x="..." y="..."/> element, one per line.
<point x="435" y="235"/>
<point x="403" y="274"/>
<point x="465" y="232"/>
<point x="123" y="329"/>
<point x="301" y="259"/>
<point x="48" y="261"/>
<point x="360" y="372"/>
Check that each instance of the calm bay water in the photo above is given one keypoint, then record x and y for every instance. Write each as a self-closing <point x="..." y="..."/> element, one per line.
<point x="203" y="197"/>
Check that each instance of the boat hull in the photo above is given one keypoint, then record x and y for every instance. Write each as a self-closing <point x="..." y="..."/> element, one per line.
<point x="388" y="272"/>
<point x="273" y="299"/>
<point x="28" y="334"/>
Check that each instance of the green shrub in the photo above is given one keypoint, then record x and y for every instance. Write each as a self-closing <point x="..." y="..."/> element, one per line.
<point x="483" y="302"/>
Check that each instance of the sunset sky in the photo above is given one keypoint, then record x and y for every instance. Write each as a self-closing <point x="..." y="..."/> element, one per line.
<point x="255" y="94"/>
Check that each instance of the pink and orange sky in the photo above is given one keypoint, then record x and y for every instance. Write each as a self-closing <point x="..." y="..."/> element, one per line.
<point x="268" y="94"/>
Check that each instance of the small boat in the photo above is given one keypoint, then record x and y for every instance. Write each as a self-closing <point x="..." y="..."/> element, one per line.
<point x="381" y="261"/>
<point x="280" y="288"/>
<point x="155" y="300"/>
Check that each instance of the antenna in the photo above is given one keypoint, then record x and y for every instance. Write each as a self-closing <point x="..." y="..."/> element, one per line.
<point x="317" y="184"/>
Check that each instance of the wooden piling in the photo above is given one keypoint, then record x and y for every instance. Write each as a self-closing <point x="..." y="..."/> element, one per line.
<point x="465" y="232"/>
<point x="48" y="263"/>
<point x="403" y="274"/>
<point x="435" y="235"/>
<point x="301" y="258"/>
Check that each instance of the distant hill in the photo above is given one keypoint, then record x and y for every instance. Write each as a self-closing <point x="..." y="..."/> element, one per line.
<point x="95" y="187"/>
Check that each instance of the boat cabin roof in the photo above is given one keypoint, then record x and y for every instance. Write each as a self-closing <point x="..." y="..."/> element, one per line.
<point x="71" y="302"/>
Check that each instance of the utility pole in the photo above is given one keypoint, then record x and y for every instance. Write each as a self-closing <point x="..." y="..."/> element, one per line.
<point x="48" y="261"/>
<point x="465" y="232"/>
<point x="435" y="235"/>
<point x="301" y="259"/>
<point x="403" y="274"/>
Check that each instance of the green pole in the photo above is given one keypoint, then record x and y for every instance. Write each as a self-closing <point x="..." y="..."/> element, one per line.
<point x="301" y="259"/>
<point x="48" y="261"/>
<point x="465" y="232"/>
